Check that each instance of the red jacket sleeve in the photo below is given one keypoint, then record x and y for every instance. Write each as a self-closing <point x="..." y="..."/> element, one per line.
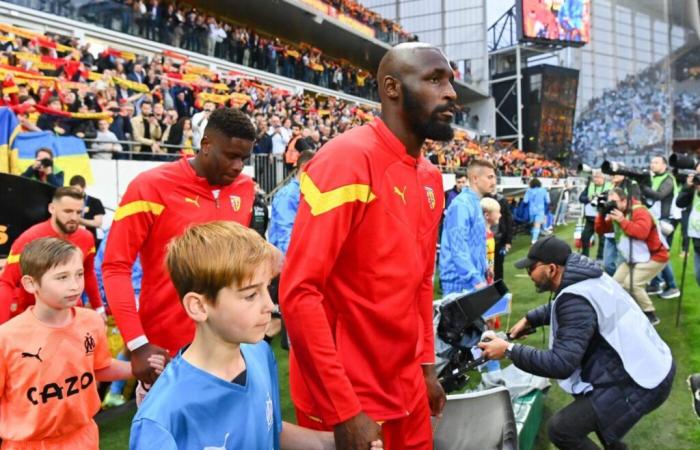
<point x="91" y="288"/>
<point x="427" y="292"/>
<point x="603" y="226"/>
<point x="11" y="276"/>
<point x="9" y="280"/>
<point x="305" y="274"/>
<point x="640" y="226"/>
<point x="132" y="222"/>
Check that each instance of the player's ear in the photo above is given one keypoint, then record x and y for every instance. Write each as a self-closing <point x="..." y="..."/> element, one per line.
<point x="29" y="284"/>
<point x="195" y="306"/>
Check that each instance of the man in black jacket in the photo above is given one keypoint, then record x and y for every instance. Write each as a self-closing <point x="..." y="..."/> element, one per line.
<point x="602" y="349"/>
<point x="689" y="197"/>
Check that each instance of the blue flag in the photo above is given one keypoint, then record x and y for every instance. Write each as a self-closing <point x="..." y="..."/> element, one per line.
<point x="69" y="153"/>
<point x="9" y="127"/>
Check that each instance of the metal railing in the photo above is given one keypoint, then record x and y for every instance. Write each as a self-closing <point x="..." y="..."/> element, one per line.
<point x="270" y="171"/>
<point x="128" y="150"/>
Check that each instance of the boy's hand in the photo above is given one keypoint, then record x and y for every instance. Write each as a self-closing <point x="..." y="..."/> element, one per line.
<point x="356" y="433"/>
<point x="140" y="365"/>
<point x="157" y="363"/>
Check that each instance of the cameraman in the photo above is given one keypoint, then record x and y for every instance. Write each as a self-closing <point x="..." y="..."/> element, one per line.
<point x="640" y="243"/>
<point x="597" y="339"/>
<point x="44" y="169"/>
<point x="596" y="186"/>
<point x="611" y="256"/>
<point x="690" y="196"/>
<point x="661" y="192"/>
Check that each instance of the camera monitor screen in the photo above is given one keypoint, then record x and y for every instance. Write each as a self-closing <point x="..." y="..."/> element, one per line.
<point x="566" y="22"/>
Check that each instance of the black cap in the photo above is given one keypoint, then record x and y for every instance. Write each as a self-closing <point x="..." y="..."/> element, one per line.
<point x="550" y="250"/>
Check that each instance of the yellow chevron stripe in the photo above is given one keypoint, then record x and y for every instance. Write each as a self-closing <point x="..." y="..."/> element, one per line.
<point x="92" y="250"/>
<point x="139" y="206"/>
<point x="12" y="258"/>
<point x="322" y="202"/>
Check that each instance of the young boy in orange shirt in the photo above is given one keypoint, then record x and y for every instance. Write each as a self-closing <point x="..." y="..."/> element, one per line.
<point x="53" y="355"/>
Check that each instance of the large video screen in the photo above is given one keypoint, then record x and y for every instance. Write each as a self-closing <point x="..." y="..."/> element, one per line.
<point x="549" y="96"/>
<point x="565" y="22"/>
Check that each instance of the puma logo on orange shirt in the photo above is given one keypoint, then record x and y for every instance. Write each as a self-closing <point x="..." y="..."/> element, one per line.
<point x="401" y="193"/>
<point x="32" y="355"/>
<point x="194" y="201"/>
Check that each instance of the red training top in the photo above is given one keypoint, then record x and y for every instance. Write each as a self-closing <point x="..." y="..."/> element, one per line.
<point x="158" y="205"/>
<point x="357" y="286"/>
<point x="14" y="299"/>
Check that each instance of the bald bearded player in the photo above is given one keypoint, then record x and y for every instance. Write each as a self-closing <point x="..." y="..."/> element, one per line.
<point x="359" y="306"/>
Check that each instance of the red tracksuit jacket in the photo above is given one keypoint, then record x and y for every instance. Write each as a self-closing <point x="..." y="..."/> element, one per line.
<point x="158" y="205"/>
<point x="14" y="299"/>
<point x="357" y="286"/>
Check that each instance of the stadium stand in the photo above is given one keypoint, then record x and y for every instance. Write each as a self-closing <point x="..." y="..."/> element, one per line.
<point x="88" y="86"/>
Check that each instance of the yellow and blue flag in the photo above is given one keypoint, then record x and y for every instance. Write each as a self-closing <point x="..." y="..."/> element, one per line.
<point x="69" y="153"/>
<point x="9" y="128"/>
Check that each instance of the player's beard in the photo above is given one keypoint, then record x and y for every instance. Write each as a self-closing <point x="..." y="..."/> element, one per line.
<point x="69" y="227"/>
<point x="432" y="128"/>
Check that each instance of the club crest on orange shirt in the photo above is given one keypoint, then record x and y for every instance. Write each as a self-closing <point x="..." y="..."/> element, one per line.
<point x="235" y="202"/>
<point x="89" y="344"/>
<point x="431" y="196"/>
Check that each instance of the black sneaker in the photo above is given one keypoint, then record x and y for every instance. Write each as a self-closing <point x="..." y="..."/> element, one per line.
<point x="654" y="290"/>
<point x="670" y="293"/>
<point x="653" y="318"/>
<point x="694" y="384"/>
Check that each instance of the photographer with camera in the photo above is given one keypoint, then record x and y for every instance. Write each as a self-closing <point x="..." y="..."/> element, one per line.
<point x="598" y="337"/>
<point x="596" y="186"/>
<point x="662" y="191"/>
<point x="200" y="120"/>
<point x="44" y="169"/>
<point x="640" y="243"/>
<point x="690" y="197"/>
<point x="611" y="256"/>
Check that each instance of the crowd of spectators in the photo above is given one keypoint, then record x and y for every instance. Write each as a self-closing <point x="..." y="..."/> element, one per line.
<point x="182" y="25"/>
<point x="168" y="116"/>
<point x="508" y="161"/>
<point x="385" y="30"/>
<point x="631" y="116"/>
<point x="687" y="67"/>
<point x="686" y="112"/>
<point x="686" y="100"/>
<point x="96" y="95"/>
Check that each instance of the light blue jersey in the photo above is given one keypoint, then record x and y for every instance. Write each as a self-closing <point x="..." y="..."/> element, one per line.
<point x="190" y="409"/>
<point x="285" y="205"/>
<point x="537" y="200"/>
<point x="463" y="245"/>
